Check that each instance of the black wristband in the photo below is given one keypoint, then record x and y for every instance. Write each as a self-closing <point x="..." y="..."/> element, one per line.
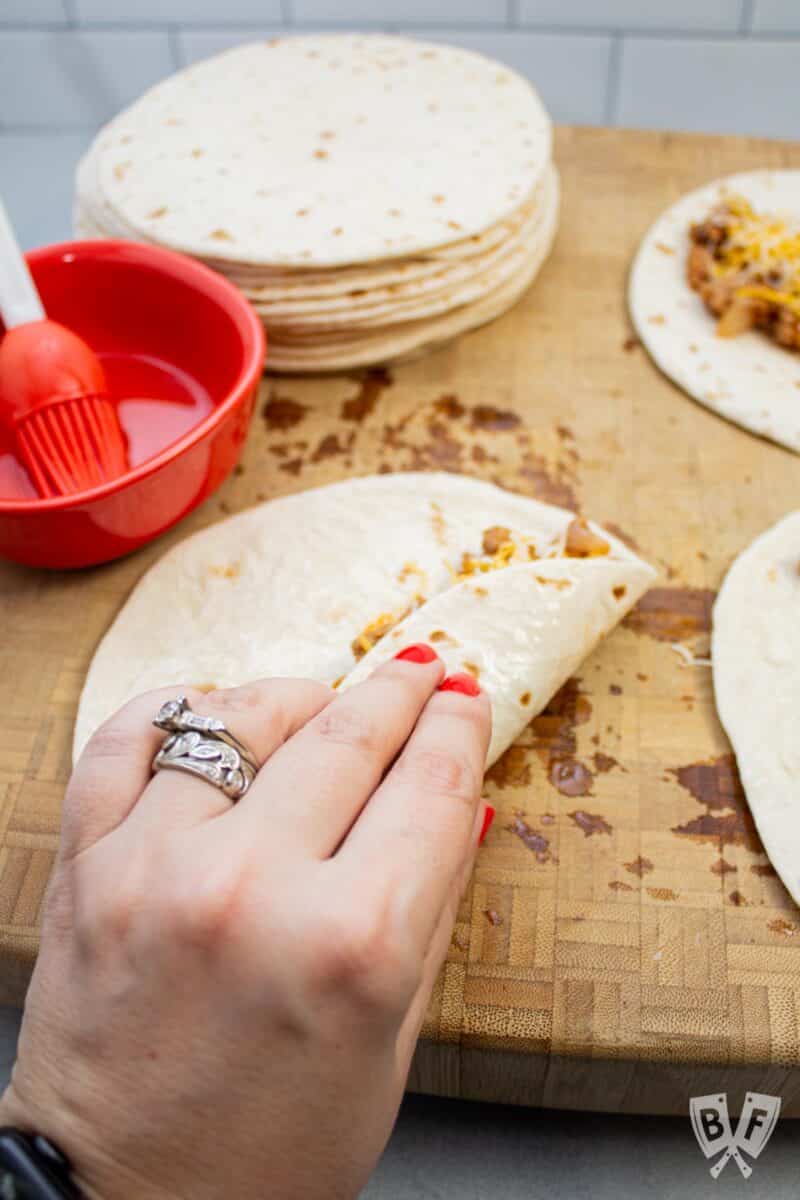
<point x="32" y="1168"/>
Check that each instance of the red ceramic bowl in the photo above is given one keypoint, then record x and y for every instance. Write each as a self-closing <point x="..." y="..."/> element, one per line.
<point x="183" y="352"/>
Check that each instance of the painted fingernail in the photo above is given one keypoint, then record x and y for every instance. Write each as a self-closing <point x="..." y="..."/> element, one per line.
<point x="488" y="817"/>
<point x="460" y="683"/>
<point x="420" y="652"/>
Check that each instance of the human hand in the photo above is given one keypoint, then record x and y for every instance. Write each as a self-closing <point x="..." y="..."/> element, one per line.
<point x="227" y="999"/>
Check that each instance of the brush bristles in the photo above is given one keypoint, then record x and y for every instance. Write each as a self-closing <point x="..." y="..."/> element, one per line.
<point x="73" y="445"/>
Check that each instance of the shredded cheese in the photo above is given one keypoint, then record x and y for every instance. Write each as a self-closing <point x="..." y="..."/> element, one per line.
<point x="763" y="245"/>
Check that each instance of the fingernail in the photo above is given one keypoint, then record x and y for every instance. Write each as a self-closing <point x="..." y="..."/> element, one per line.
<point x="420" y="652"/>
<point x="488" y="817"/>
<point x="460" y="683"/>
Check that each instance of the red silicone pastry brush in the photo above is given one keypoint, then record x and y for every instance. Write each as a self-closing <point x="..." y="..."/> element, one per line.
<point x="52" y="389"/>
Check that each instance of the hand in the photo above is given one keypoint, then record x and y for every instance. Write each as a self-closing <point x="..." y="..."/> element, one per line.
<point x="227" y="998"/>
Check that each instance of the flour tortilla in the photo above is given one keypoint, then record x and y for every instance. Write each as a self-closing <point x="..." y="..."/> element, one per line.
<point x="415" y="303"/>
<point x="260" y="281"/>
<point x="755" y="650"/>
<point x="412" y="338"/>
<point x="748" y="379"/>
<point x="309" y="290"/>
<point x="287" y="587"/>
<point x="384" y="147"/>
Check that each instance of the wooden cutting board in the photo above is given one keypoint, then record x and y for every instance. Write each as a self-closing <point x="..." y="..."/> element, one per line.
<point x="625" y="943"/>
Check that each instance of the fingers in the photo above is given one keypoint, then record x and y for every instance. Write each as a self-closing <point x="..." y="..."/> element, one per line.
<point x="262" y="715"/>
<point x="314" y="787"/>
<point x="417" y="833"/>
<point x="112" y="772"/>
<point x="440" y="942"/>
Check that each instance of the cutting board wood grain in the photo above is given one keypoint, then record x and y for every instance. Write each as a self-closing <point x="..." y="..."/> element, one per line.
<point x="624" y="943"/>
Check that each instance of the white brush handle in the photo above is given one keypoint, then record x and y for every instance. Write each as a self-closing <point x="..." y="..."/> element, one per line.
<point x="19" y="299"/>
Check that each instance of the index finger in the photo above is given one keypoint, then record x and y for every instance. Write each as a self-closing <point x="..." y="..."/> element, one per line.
<point x="416" y="833"/>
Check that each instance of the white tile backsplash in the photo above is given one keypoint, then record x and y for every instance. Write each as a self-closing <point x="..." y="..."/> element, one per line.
<point x="725" y="86"/>
<point x="776" y="16"/>
<point x="713" y="65"/>
<point x="33" y="12"/>
<point x="194" y="45"/>
<point x="569" y="71"/>
<point x="37" y="173"/>
<point x="180" y="12"/>
<point x="76" y="78"/>
<point x="686" y="15"/>
<point x="407" y="12"/>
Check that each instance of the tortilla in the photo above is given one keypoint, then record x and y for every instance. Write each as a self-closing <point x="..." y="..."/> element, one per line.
<point x="332" y="149"/>
<point x="755" y="651"/>
<point x="748" y="379"/>
<point x="305" y="584"/>
<point x="404" y="341"/>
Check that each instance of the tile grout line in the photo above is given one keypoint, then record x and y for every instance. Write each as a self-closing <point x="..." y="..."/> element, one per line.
<point x="287" y="13"/>
<point x="175" y="48"/>
<point x="71" y="13"/>
<point x="613" y="81"/>
<point x="747" y="16"/>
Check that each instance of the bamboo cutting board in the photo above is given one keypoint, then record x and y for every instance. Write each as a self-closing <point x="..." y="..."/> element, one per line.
<point x="625" y="943"/>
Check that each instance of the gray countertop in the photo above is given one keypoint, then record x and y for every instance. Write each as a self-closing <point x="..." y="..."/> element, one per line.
<point x="447" y="1149"/>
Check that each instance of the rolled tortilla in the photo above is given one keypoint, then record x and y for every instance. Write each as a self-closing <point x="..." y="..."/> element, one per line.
<point x="305" y="585"/>
<point x="755" y="651"/>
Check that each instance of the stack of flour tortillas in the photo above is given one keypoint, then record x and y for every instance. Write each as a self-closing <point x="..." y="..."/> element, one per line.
<point x="371" y="195"/>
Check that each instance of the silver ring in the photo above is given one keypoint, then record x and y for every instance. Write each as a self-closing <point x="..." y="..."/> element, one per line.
<point x="203" y="747"/>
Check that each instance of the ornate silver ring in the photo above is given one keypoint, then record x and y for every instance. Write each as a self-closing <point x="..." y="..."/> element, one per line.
<point x="203" y="747"/>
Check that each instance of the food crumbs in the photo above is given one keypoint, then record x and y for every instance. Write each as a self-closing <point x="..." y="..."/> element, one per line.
<point x="779" y="925"/>
<point x="492" y="916"/>
<point x="494" y="538"/>
<point x="372" y="633"/>
<point x="583" y="542"/>
<point x="639" y="866"/>
<point x="525" y="699"/>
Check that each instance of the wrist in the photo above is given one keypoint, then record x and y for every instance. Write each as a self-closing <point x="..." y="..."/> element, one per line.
<point x="93" y="1171"/>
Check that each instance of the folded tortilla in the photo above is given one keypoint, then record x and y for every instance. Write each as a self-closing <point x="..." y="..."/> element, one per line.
<point x="328" y="583"/>
<point x="755" y="650"/>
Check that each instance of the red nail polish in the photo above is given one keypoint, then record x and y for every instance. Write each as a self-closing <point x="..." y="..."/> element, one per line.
<point x="460" y="683"/>
<point x="488" y="817"/>
<point x="420" y="652"/>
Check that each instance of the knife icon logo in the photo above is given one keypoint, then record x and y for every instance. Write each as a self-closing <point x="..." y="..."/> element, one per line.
<point x="712" y="1128"/>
